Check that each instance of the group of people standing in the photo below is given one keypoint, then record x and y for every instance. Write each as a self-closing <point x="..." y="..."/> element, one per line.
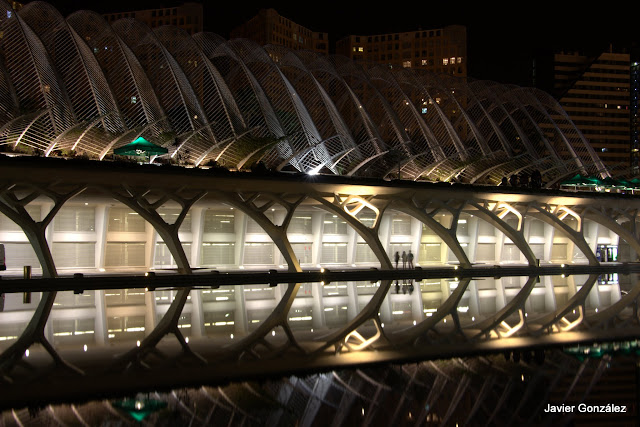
<point x="407" y="262"/>
<point x="406" y="258"/>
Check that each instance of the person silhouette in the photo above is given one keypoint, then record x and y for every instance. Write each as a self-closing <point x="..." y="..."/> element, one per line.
<point x="404" y="259"/>
<point x="397" y="258"/>
<point x="410" y="259"/>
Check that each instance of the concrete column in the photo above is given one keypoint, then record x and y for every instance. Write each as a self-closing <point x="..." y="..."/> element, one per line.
<point x="197" y="313"/>
<point x="150" y="313"/>
<point x="416" y="238"/>
<point x="352" y="300"/>
<point x="197" y="229"/>
<point x="241" y="324"/>
<point x="318" y="319"/>
<point x="101" y="331"/>
<point x="240" y="222"/>
<point x="102" y="218"/>
<point x="317" y="225"/>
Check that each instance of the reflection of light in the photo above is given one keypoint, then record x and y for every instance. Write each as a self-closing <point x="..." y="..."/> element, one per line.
<point x="26" y="352"/>
<point x="85" y="347"/>
<point x="463" y="309"/>
<point x="138" y="343"/>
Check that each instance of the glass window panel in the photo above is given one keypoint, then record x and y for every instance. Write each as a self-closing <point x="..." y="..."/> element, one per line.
<point x="125" y="254"/>
<point x="430" y="252"/>
<point x="559" y="251"/>
<point x="401" y="224"/>
<point x="17" y="255"/>
<point x="364" y="253"/>
<point x="303" y="252"/>
<point x="125" y="220"/>
<point x="219" y="221"/>
<point x="222" y="253"/>
<point x="334" y="225"/>
<point x="334" y="253"/>
<point x="300" y="224"/>
<point x="486" y="252"/>
<point x="258" y="253"/>
<point x="74" y="254"/>
<point x="75" y="218"/>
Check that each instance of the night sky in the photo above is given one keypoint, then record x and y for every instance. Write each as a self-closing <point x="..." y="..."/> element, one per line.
<point x="502" y="37"/>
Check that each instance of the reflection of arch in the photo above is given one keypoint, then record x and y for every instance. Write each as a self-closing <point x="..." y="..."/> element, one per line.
<point x="278" y="235"/>
<point x="449" y="307"/>
<point x="558" y="318"/>
<point x="491" y="325"/>
<point x="370" y="236"/>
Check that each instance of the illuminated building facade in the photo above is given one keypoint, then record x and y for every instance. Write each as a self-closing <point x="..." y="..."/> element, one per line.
<point x="269" y="27"/>
<point x="598" y="94"/>
<point x="187" y="16"/>
<point x="442" y="50"/>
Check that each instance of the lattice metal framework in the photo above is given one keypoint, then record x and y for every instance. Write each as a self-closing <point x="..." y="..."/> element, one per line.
<point x="80" y="85"/>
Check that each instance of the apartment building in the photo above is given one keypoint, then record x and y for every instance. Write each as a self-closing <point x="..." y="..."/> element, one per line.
<point x="187" y="16"/>
<point x="442" y="50"/>
<point x="596" y="92"/>
<point x="269" y="27"/>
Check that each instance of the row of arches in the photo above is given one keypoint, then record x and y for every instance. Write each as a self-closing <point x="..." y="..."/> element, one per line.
<point x="80" y="85"/>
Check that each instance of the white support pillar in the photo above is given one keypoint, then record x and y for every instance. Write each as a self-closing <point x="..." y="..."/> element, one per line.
<point x="472" y="226"/>
<point x="317" y="225"/>
<point x="474" y="304"/>
<point x="150" y="312"/>
<point x="417" y="307"/>
<point x="101" y="218"/>
<point x="197" y="313"/>
<point x="550" y="302"/>
<point x="101" y="331"/>
<point x="501" y="300"/>
<point x="240" y="222"/>
<point x="352" y="300"/>
<point x="241" y="324"/>
<point x="318" y="319"/>
<point x="197" y="230"/>
<point x="278" y="219"/>
<point x="416" y="238"/>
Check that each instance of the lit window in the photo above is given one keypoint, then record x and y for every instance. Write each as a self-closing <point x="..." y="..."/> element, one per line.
<point x="424" y="110"/>
<point x="425" y="62"/>
<point x="361" y="49"/>
<point x="134" y="99"/>
<point x="459" y="60"/>
<point x="406" y="64"/>
<point x="445" y="61"/>
<point x="453" y="60"/>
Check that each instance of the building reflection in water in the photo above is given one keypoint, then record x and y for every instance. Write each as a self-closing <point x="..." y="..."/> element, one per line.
<point x="507" y="384"/>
